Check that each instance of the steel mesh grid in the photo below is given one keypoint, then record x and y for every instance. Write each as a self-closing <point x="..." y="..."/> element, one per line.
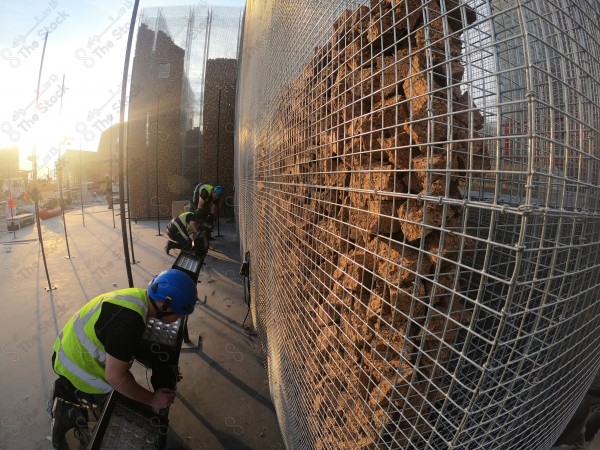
<point x="424" y="246"/>
<point x="168" y="111"/>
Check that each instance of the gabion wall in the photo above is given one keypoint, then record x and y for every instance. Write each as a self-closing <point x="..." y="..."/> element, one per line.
<point x="154" y="125"/>
<point x="418" y="194"/>
<point x="219" y="117"/>
<point x="178" y="133"/>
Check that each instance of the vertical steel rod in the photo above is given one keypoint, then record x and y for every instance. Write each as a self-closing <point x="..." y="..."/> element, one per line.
<point x="34" y="162"/>
<point x="60" y="174"/>
<point x="122" y="139"/>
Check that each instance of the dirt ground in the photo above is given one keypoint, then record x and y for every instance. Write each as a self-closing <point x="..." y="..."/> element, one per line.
<point x="223" y="400"/>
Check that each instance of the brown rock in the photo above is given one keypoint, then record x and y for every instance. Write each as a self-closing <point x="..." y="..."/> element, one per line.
<point x="395" y="263"/>
<point x="422" y="89"/>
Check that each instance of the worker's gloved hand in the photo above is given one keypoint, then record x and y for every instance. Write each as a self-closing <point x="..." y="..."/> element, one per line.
<point x="162" y="398"/>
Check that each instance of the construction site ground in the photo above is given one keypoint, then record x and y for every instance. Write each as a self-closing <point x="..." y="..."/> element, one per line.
<point x="223" y="400"/>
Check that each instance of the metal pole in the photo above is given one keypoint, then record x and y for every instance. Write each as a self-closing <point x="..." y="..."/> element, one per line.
<point x="156" y="146"/>
<point x="122" y="139"/>
<point x="129" y="211"/>
<point x="60" y="181"/>
<point x="111" y="171"/>
<point x="81" y="184"/>
<point x="12" y="215"/>
<point x="34" y="162"/>
<point x="60" y="175"/>
<point x="218" y="151"/>
<point x="218" y="131"/>
<point x="130" y="234"/>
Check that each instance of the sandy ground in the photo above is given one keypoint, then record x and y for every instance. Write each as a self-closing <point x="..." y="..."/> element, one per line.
<point x="223" y="400"/>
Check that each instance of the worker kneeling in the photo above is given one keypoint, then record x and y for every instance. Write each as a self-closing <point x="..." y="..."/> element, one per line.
<point x="182" y="229"/>
<point x="95" y="349"/>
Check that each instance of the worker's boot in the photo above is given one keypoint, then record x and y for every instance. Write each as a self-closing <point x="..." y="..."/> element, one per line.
<point x="66" y="416"/>
<point x="167" y="247"/>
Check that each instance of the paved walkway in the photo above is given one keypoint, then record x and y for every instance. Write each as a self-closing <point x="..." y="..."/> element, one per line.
<point x="223" y="399"/>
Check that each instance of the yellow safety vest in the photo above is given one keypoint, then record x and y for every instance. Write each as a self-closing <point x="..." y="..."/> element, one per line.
<point x="80" y="356"/>
<point x="209" y="201"/>
<point x="181" y="226"/>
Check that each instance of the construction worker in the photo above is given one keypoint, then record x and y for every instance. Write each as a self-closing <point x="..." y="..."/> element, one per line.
<point x="11" y="205"/>
<point x="207" y="198"/>
<point x="96" y="347"/>
<point x="108" y="190"/>
<point x="181" y="229"/>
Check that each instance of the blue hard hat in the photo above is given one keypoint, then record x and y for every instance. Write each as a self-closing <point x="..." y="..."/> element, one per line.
<point x="218" y="190"/>
<point x="175" y="288"/>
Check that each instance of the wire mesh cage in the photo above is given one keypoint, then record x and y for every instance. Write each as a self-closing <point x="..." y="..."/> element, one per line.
<point x="418" y="193"/>
<point x="181" y="104"/>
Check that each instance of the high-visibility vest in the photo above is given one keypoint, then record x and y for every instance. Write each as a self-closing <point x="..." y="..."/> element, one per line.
<point x="198" y="190"/>
<point x="181" y="226"/>
<point x="80" y="356"/>
<point x="209" y="201"/>
<point x="195" y="196"/>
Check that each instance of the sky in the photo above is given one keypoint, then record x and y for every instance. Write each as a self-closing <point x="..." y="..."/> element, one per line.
<point x="85" y="47"/>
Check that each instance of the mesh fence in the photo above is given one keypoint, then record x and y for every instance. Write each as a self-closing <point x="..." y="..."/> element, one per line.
<point x="177" y="128"/>
<point x="418" y="193"/>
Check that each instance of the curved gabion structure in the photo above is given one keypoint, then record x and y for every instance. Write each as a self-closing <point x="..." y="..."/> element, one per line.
<point x="418" y="192"/>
